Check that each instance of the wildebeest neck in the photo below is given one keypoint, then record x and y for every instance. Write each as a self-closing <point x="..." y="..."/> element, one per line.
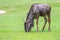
<point x="30" y="16"/>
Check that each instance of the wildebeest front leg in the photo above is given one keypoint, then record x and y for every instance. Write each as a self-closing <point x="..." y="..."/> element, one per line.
<point x="45" y="19"/>
<point x="37" y="24"/>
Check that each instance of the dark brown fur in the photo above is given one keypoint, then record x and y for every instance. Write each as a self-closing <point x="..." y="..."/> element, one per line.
<point x="35" y="11"/>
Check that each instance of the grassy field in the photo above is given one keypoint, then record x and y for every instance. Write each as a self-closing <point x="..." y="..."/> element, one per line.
<point x="11" y="23"/>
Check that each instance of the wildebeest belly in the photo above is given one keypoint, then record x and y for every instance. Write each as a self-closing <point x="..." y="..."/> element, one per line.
<point x="42" y="14"/>
<point x="38" y="14"/>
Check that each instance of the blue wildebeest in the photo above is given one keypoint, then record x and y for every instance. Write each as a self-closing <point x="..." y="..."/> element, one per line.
<point x="35" y="11"/>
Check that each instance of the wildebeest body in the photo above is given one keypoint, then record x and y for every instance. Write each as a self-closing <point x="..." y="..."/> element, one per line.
<point x="35" y="11"/>
<point x="40" y="9"/>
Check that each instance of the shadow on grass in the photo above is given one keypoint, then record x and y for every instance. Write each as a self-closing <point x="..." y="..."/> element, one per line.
<point x="37" y="31"/>
<point x="45" y="31"/>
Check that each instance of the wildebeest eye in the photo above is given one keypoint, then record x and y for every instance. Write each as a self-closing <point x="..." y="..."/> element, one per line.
<point x="32" y="25"/>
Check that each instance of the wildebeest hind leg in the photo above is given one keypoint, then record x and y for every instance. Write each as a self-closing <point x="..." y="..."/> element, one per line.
<point x="45" y="19"/>
<point x="49" y="21"/>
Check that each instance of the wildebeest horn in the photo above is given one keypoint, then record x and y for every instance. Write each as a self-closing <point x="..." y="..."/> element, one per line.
<point x="23" y="19"/>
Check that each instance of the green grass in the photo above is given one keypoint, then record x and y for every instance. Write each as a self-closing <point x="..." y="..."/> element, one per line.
<point x="12" y="25"/>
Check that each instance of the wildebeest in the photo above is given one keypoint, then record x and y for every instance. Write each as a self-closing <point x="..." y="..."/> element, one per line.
<point x="35" y="11"/>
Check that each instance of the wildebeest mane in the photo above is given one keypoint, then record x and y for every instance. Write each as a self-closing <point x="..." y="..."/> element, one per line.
<point x="30" y="18"/>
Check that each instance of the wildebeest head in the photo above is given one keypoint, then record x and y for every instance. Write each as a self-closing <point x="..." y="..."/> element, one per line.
<point x="28" y="26"/>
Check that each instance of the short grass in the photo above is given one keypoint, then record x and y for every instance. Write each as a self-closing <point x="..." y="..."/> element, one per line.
<point x="12" y="25"/>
